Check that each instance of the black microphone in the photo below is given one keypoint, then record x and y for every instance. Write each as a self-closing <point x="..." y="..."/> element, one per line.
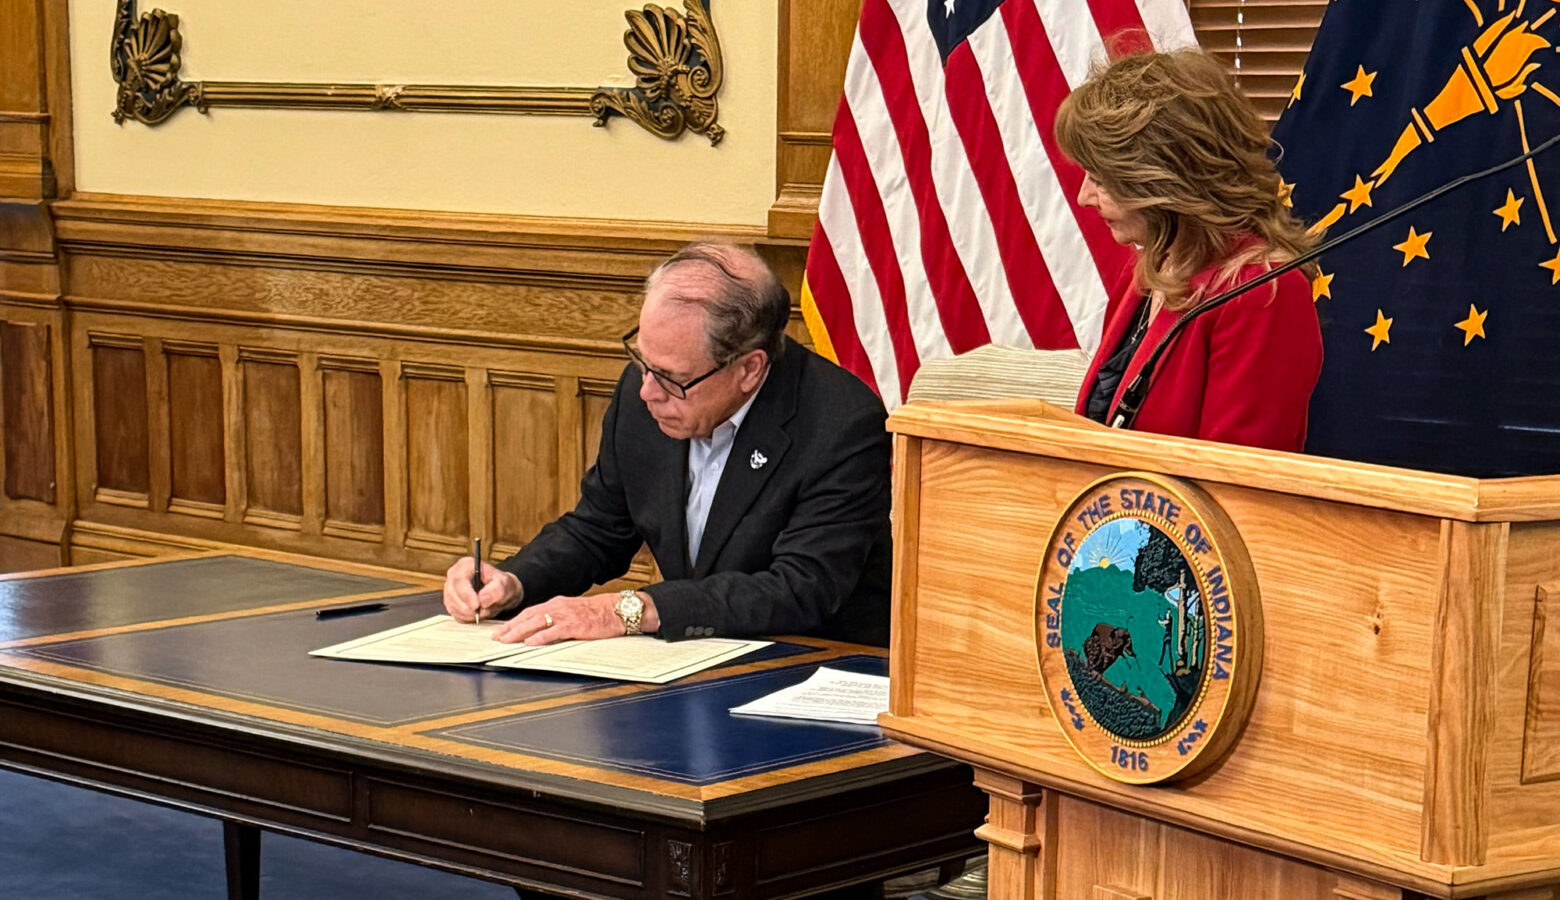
<point x="1137" y="390"/>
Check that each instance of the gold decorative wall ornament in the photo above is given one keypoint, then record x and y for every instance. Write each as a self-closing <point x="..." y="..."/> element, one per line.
<point x="678" y="65"/>
<point x="145" y="63"/>
<point x="675" y="58"/>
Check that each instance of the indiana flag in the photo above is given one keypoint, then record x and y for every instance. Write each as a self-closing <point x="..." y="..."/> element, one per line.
<point x="1440" y="327"/>
<point x="949" y="216"/>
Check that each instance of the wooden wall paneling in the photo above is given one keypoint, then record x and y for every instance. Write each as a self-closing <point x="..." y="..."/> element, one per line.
<point x="36" y="160"/>
<point x="273" y="410"/>
<point x="311" y="421"/>
<point x="120" y="420"/>
<point x="235" y="446"/>
<point x="595" y="398"/>
<point x="395" y="445"/>
<point x="157" y="425"/>
<point x="19" y="555"/>
<point x="197" y="425"/>
<point x="354" y="417"/>
<point x="56" y="71"/>
<point x="479" y="447"/>
<point x="24" y="119"/>
<point x="525" y="452"/>
<point x="815" y="39"/>
<point x="571" y="437"/>
<point x="27" y="373"/>
<point x="37" y="493"/>
<point x="437" y="455"/>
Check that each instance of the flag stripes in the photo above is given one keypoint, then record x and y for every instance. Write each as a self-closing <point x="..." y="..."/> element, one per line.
<point x="949" y="218"/>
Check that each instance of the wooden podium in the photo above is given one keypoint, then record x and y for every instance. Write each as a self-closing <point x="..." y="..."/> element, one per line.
<point x="1403" y="739"/>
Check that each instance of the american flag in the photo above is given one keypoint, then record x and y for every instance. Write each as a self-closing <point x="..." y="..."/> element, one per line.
<point x="949" y="216"/>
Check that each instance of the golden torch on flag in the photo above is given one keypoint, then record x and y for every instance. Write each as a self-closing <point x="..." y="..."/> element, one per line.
<point x="1495" y="68"/>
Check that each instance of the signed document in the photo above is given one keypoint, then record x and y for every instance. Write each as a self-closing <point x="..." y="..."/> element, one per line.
<point x="637" y="658"/>
<point x="436" y="640"/>
<point x="440" y="640"/>
<point x="830" y="695"/>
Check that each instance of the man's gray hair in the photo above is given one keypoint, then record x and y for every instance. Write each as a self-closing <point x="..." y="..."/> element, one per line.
<point x="747" y="306"/>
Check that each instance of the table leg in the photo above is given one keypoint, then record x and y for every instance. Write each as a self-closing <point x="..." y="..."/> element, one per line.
<point x="241" y="846"/>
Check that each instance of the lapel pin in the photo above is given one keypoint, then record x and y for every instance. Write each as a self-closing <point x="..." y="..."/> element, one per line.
<point x="757" y="460"/>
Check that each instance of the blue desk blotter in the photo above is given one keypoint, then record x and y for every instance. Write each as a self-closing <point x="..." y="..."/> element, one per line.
<point x="682" y="733"/>
<point x="265" y="659"/>
<point x="109" y="598"/>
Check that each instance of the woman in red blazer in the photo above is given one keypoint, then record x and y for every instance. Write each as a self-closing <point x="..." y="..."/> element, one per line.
<point x="1176" y="162"/>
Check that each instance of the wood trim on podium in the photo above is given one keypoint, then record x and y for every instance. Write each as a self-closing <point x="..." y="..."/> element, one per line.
<point x="1431" y="879"/>
<point x="907" y="529"/>
<point x="995" y="425"/>
<point x="1466" y="646"/>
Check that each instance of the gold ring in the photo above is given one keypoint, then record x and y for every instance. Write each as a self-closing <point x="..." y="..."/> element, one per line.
<point x="547" y="617"/>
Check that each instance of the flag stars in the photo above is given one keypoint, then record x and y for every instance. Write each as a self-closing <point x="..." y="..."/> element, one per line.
<point x="948" y="8"/>
<point x="1510" y="212"/>
<point x="1473" y="326"/>
<point x="1415" y="246"/>
<point x="1553" y="266"/>
<point x="1321" y="285"/>
<point x="1381" y="332"/>
<point x="1359" y="195"/>
<point x="1294" y="95"/>
<point x="1286" y="193"/>
<point x="1360" y="85"/>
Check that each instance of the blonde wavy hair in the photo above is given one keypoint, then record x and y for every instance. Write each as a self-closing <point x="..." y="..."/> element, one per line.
<point x="1170" y="136"/>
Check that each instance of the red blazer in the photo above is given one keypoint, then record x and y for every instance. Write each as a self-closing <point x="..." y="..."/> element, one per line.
<point x="1241" y="374"/>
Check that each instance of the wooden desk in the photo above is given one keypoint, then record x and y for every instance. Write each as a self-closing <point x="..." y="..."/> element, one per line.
<point x="186" y="682"/>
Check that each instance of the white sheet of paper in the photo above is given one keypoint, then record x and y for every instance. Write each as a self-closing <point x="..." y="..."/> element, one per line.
<point x="637" y="658"/>
<point x="436" y="640"/>
<point x="830" y="695"/>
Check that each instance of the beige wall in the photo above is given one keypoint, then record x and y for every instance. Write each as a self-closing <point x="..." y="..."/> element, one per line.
<point x="533" y="165"/>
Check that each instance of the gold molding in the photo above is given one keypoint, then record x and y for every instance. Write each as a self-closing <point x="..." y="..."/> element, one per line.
<point x="675" y="58"/>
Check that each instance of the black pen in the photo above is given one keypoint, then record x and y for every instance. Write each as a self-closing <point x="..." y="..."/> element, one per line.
<point x="336" y="612"/>
<point x="476" y="576"/>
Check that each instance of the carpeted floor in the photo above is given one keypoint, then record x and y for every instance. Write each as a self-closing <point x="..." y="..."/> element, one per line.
<point x="59" y="842"/>
<point x="67" y="843"/>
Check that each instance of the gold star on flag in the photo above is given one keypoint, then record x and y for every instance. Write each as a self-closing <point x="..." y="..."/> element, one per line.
<point x="1554" y="267"/>
<point x="1321" y="286"/>
<point x="1359" y="85"/>
<point x="1294" y="95"/>
<point x="1359" y="195"/>
<point x="1473" y="326"/>
<point x="1286" y="192"/>
<point x="1511" y="211"/>
<point x="1414" y="246"/>
<point x="1380" y="332"/>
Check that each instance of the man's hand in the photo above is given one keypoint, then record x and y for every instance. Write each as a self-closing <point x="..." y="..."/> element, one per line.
<point x="574" y="619"/>
<point x="500" y="590"/>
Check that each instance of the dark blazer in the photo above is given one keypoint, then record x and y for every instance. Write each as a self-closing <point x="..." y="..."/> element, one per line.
<point x="795" y="544"/>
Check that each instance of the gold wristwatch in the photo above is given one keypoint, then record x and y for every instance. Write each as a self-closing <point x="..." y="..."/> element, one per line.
<point x="630" y="609"/>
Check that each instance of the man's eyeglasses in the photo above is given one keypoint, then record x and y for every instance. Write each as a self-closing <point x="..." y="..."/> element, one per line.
<point x="672" y="386"/>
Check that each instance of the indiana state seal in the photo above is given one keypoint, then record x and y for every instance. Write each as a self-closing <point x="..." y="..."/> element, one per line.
<point x="1148" y="628"/>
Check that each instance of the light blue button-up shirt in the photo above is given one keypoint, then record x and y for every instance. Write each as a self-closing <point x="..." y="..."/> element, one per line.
<point x="706" y="461"/>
